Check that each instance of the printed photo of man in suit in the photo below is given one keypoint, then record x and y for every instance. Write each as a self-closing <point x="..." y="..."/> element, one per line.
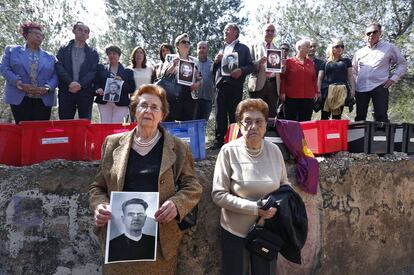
<point x="112" y="92"/>
<point x="133" y="244"/>
<point x="230" y="64"/>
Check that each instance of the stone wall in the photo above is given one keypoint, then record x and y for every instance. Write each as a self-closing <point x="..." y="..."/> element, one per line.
<point x="360" y="222"/>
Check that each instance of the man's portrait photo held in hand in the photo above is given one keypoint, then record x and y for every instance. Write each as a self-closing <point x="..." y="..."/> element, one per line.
<point x="135" y="222"/>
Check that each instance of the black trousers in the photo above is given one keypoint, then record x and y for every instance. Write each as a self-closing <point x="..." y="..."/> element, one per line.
<point x="269" y="95"/>
<point x="237" y="260"/>
<point x="181" y="108"/>
<point x="299" y="109"/>
<point x="227" y="98"/>
<point x="69" y="103"/>
<point x="379" y="97"/>
<point x="30" y="109"/>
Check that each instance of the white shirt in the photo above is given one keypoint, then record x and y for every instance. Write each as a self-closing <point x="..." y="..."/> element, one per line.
<point x="229" y="48"/>
<point x="371" y="66"/>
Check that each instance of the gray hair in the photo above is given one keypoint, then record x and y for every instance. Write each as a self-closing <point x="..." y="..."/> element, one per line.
<point x="234" y="26"/>
<point x="202" y="43"/>
<point x="301" y="43"/>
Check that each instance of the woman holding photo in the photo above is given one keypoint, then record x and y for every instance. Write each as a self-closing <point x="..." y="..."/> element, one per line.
<point x="113" y="111"/>
<point x="182" y="107"/>
<point x="147" y="159"/>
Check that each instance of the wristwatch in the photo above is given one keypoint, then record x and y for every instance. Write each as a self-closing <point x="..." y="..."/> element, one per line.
<point x="47" y="88"/>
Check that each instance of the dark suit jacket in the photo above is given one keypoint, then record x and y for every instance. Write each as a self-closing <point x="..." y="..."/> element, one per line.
<point x="122" y="248"/>
<point x="245" y="64"/>
<point x="103" y="72"/>
<point x="87" y="72"/>
<point x="107" y="97"/>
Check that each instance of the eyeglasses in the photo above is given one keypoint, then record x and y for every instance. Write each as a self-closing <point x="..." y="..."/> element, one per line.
<point x="338" y="46"/>
<point x="247" y="124"/>
<point x="373" y="32"/>
<point x="153" y="108"/>
<point x="185" y="42"/>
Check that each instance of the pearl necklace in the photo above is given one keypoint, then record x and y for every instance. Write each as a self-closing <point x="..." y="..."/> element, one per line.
<point x="138" y="140"/>
<point x="254" y="153"/>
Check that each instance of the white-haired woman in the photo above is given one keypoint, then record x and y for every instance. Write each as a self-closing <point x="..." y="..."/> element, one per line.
<point x="338" y="73"/>
<point x="299" y="84"/>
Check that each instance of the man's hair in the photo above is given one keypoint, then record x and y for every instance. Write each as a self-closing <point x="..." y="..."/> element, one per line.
<point x="114" y="83"/>
<point x="230" y="56"/>
<point x="114" y="49"/>
<point x="285" y="44"/>
<point x="79" y="23"/>
<point x="134" y="201"/>
<point x="375" y="24"/>
<point x="202" y="43"/>
<point x="234" y="26"/>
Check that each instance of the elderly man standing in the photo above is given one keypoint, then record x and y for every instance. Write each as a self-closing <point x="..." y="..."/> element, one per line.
<point x="229" y="88"/>
<point x="261" y="84"/>
<point x="76" y="68"/>
<point x="371" y="69"/>
<point x="205" y="93"/>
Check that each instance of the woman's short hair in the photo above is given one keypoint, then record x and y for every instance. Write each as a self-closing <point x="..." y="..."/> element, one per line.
<point x="329" y="49"/>
<point x="26" y="27"/>
<point x="114" y="49"/>
<point x="301" y="43"/>
<point x="251" y="104"/>
<point x="179" y="38"/>
<point x="169" y="47"/>
<point x="151" y="89"/>
<point x="133" y="62"/>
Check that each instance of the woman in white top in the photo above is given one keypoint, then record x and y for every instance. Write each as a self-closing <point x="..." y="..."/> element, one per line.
<point x="143" y="74"/>
<point x="247" y="169"/>
<point x="182" y="107"/>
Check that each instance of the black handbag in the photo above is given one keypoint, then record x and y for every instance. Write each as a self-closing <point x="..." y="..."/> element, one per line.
<point x="263" y="242"/>
<point x="170" y="85"/>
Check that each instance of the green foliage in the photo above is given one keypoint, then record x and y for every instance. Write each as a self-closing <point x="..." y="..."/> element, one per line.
<point x="152" y="22"/>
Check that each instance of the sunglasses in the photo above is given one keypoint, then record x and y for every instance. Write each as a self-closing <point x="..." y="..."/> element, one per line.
<point x="373" y="32"/>
<point x="338" y="46"/>
<point x="185" y="42"/>
<point x="285" y="49"/>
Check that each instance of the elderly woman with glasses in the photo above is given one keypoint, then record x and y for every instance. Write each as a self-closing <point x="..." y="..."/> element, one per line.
<point x="30" y="76"/>
<point x="247" y="169"/>
<point x="182" y="106"/>
<point x="299" y="84"/>
<point x="338" y="73"/>
<point x="147" y="159"/>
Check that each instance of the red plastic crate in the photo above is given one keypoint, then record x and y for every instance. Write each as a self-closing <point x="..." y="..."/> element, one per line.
<point x="59" y="139"/>
<point x="10" y="138"/>
<point x="326" y="136"/>
<point x="101" y="131"/>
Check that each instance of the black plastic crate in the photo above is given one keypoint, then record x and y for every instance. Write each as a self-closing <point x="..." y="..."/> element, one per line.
<point x="404" y="138"/>
<point x="370" y="137"/>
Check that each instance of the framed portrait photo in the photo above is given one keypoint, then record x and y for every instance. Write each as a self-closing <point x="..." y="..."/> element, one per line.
<point x="229" y="62"/>
<point x="274" y="61"/>
<point x="113" y="88"/>
<point x="132" y="230"/>
<point x="186" y="72"/>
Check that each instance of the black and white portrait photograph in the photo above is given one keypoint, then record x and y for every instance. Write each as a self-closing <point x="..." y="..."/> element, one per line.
<point x="186" y="72"/>
<point x="274" y="61"/>
<point x="132" y="230"/>
<point x="113" y="88"/>
<point x="229" y="63"/>
<point x="169" y="57"/>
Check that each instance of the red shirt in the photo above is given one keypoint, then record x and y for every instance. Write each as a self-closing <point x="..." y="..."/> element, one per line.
<point x="299" y="79"/>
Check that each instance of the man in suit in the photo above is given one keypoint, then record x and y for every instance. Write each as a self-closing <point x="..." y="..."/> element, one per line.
<point x="133" y="244"/>
<point x="229" y="88"/>
<point x="261" y="84"/>
<point x="230" y="65"/>
<point x="273" y="60"/>
<point x="76" y="68"/>
<point x="114" y="91"/>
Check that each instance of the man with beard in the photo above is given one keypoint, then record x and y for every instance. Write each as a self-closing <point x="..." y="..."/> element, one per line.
<point x="133" y="244"/>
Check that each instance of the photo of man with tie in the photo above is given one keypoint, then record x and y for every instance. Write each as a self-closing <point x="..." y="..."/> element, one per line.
<point x="112" y="91"/>
<point x="230" y="63"/>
